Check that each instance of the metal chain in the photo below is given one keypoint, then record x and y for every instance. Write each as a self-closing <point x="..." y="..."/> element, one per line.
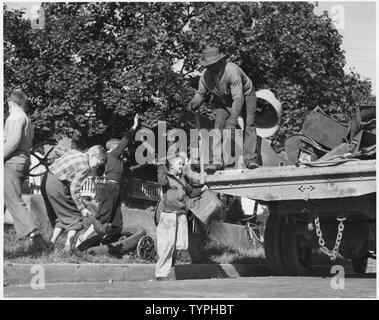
<point x="312" y="209"/>
<point x="331" y="253"/>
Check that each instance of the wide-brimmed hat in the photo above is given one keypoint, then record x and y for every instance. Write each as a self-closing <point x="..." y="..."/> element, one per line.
<point x="210" y="56"/>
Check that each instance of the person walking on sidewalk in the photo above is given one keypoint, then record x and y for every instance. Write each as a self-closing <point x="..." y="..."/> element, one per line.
<point x="18" y="137"/>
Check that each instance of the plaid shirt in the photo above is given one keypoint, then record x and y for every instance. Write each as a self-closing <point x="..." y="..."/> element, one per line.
<point x="72" y="167"/>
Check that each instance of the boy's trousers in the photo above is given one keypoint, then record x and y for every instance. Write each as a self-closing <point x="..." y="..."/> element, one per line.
<point x="110" y="205"/>
<point x="14" y="177"/>
<point x="172" y="233"/>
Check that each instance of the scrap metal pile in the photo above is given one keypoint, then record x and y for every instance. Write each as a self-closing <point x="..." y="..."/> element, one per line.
<point x="324" y="140"/>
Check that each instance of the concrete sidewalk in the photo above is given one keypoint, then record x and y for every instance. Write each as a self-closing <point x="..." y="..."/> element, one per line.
<point x="90" y="272"/>
<point x="218" y="289"/>
<point x="22" y="274"/>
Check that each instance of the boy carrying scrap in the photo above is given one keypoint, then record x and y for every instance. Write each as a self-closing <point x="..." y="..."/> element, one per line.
<point x="172" y="229"/>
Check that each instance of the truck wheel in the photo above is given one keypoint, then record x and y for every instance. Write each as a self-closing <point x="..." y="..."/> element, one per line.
<point x="297" y="254"/>
<point x="360" y="264"/>
<point x="272" y="243"/>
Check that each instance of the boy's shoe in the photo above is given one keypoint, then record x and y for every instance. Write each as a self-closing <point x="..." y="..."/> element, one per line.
<point x="39" y="244"/>
<point x="79" y="241"/>
<point x="162" y="279"/>
<point x="212" y="168"/>
<point x="252" y="165"/>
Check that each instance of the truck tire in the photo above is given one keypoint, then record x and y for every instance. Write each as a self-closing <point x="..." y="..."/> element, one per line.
<point x="360" y="264"/>
<point x="296" y="258"/>
<point x="272" y="243"/>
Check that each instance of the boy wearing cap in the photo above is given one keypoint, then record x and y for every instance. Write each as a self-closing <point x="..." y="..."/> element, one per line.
<point x="235" y="92"/>
<point x="18" y="137"/>
<point x="109" y="212"/>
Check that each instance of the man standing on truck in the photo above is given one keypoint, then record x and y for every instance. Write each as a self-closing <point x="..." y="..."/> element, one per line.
<point x="234" y="93"/>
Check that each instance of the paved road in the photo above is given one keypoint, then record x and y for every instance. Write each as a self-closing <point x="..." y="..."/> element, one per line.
<point x="239" y="288"/>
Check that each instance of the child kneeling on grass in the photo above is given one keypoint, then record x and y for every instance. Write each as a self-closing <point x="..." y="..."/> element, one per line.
<point x="109" y="212"/>
<point x="61" y="187"/>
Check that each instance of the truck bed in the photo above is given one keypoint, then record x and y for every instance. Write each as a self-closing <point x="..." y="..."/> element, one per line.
<point x="349" y="179"/>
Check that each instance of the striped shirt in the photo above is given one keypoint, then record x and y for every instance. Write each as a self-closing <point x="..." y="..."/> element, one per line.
<point x="72" y="167"/>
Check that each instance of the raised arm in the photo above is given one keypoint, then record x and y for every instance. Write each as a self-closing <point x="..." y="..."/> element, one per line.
<point x="199" y="97"/>
<point x="126" y="139"/>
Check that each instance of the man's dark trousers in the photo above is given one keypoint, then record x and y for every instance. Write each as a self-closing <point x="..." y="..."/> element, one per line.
<point x="227" y="119"/>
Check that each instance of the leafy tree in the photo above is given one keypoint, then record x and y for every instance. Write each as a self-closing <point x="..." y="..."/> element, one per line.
<point x="285" y="47"/>
<point x="96" y="64"/>
<point x="16" y="45"/>
<point x="94" y="67"/>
